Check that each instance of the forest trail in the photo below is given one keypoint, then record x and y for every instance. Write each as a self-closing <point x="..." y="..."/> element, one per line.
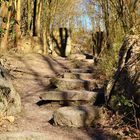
<point x="31" y="75"/>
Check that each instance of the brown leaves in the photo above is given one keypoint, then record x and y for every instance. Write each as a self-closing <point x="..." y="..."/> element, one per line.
<point x="10" y="119"/>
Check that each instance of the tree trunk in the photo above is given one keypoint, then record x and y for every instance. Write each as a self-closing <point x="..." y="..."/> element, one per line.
<point x="34" y="18"/>
<point x="45" y="48"/>
<point x="37" y="17"/>
<point x="29" y="15"/>
<point x="18" y="18"/>
<point x="4" y="41"/>
<point x="39" y="9"/>
<point x="3" y="13"/>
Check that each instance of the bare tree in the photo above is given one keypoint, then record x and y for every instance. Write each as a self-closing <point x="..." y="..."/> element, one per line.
<point x="4" y="41"/>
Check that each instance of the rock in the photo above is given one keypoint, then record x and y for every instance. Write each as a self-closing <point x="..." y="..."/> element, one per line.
<point x="70" y="84"/>
<point x="89" y="61"/>
<point x="10" y="102"/>
<point x="83" y="76"/>
<point x="69" y="95"/>
<point x="80" y="116"/>
<point x="77" y="56"/>
<point x="30" y="44"/>
<point x="83" y="70"/>
<point x="126" y="81"/>
<point x="68" y="47"/>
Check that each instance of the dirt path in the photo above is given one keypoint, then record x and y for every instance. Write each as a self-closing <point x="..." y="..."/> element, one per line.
<point x="31" y="77"/>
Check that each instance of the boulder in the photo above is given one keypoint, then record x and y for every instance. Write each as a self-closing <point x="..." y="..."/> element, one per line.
<point x="80" y="116"/>
<point x="10" y="102"/>
<point x="126" y="81"/>
<point x="68" y="47"/>
<point x="30" y="44"/>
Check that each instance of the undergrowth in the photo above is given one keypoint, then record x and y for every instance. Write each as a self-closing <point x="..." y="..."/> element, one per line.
<point x="109" y="59"/>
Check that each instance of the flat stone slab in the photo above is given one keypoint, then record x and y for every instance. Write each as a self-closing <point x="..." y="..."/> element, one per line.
<point x="81" y="70"/>
<point x="77" y="56"/>
<point x="83" y="76"/>
<point x="69" y="95"/>
<point x="80" y="116"/>
<point x="89" y="61"/>
<point x="70" y="84"/>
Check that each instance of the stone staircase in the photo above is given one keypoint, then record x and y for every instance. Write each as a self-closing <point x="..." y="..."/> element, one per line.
<point x="77" y="91"/>
<point x="71" y="87"/>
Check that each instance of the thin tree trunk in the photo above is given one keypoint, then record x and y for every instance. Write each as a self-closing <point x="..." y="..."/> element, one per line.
<point x="29" y="15"/>
<point x="45" y="48"/>
<point x="34" y="18"/>
<point x="37" y="17"/>
<point x="18" y="18"/>
<point x="4" y="41"/>
<point x="39" y="6"/>
<point x="3" y="13"/>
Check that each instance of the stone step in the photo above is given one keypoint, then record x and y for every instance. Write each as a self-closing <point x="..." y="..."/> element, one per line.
<point x="77" y="56"/>
<point x="70" y="95"/>
<point x="90" y="61"/>
<point x="83" y="76"/>
<point x="82" y="57"/>
<point x="81" y="70"/>
<point x="80" y="116"/>
<point x="70" y="84"/>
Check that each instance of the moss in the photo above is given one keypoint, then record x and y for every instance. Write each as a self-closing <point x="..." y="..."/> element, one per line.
<point x="0" y="99"/>
<point x="114" y="102"/>
<point x="54" y="81"/>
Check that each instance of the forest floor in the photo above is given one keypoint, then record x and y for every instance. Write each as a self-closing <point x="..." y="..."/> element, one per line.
<point x="30" y="75"/>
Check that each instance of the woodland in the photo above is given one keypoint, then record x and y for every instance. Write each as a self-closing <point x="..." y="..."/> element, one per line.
<point x="69" y="69"/>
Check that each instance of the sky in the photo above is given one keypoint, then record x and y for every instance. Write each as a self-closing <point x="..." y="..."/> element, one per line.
<point x="87" y="22"/>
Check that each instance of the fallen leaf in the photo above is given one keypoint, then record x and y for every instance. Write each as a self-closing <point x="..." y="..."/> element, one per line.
<point x="11" y="119"/>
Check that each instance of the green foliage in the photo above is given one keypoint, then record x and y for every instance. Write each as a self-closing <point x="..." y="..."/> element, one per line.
<point x="1" y="31"/>
<point x="3" y="1"/>
<point x="13" y="21"/>
<point x="0" y="99"/>
<point x="125" y="107"/>
<point x="108" y="61"/>
<point x="123" y="101"/>
<point x="10" y="8"/>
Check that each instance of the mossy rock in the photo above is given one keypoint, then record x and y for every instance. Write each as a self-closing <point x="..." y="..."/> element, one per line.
<point x="10" y="102"/>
